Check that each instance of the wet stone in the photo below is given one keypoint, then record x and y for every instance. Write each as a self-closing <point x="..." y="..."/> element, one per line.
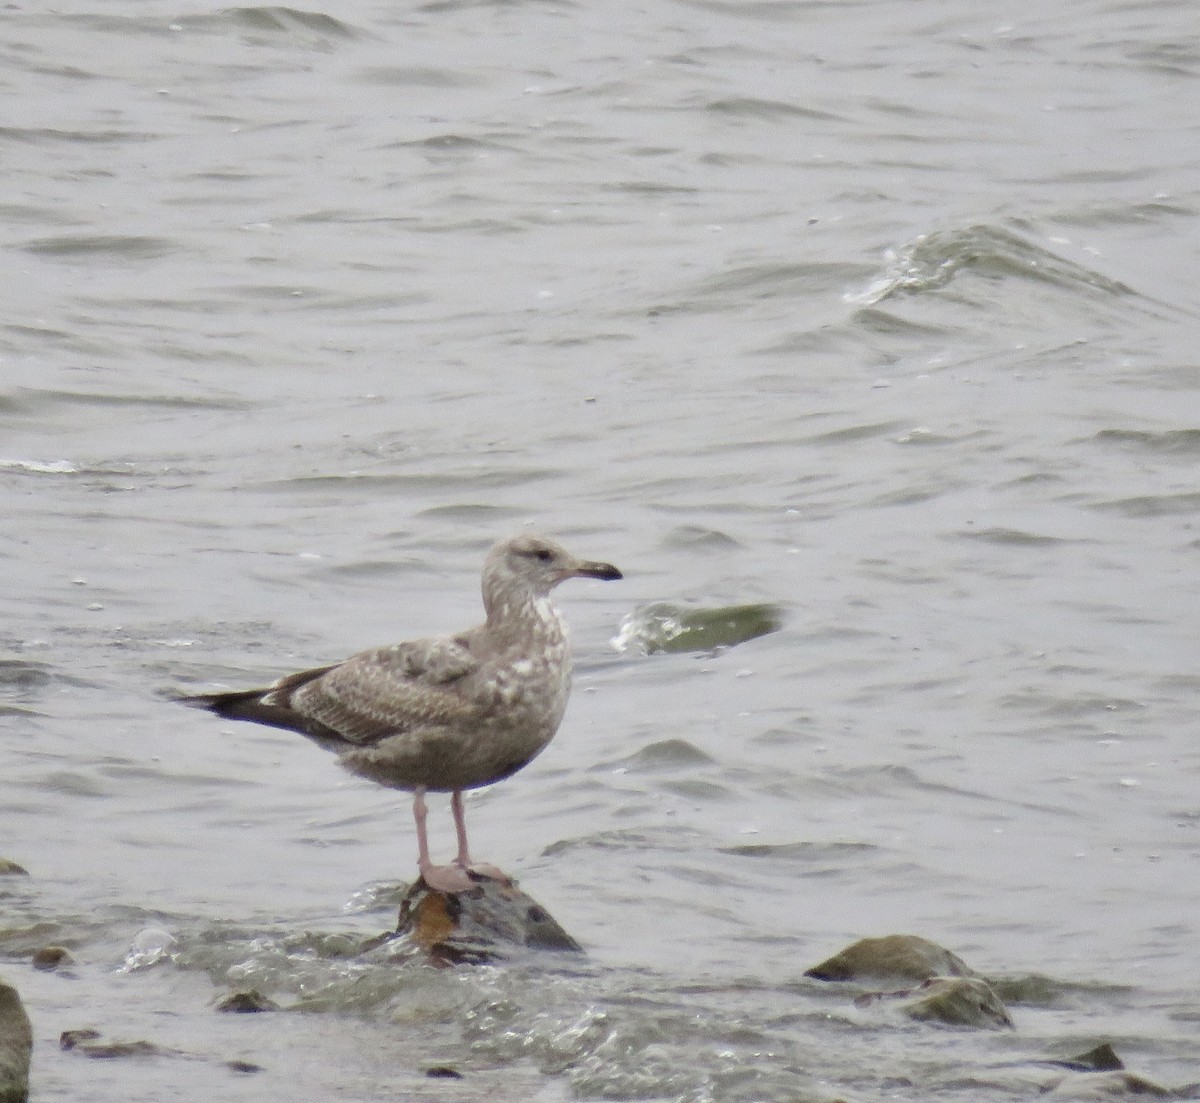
<point x="1109" y="1085"/>
<point x="112" y="1050"/>
<point x="87" y="1042"/>
<point x="69" y="1039"/>
<point x="1102" y="1058"/>
<point x="900" y="957"/>
<point x="244" y="1066"/>
<point x="493" y="920"/>
<point x="248" y="1002"/>
<point x="16" y="1044"/>
<point x="50" y="958"/>
<point x="665" y="626"/>
<point x="443" y="1072"/>
<point x="948" y="992"/>
<point x="956" y="1001"/>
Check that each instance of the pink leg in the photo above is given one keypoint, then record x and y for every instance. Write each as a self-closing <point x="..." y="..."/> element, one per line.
<point x="419" y="814"/>
<point x="440" y="878"/>
<point x="463" y="861"/>
<point x="460" y="827"/>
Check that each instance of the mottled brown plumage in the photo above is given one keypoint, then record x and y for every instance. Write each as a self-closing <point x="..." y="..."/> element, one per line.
<point x="448" y="713"/>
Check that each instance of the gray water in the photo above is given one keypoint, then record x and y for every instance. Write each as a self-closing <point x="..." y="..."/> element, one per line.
<point x="881" y="312"/>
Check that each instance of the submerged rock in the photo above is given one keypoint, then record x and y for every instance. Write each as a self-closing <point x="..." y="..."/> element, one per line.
<point x="955" y="1001"/>
<point x="69" y="1039"/>
<point x="1101" y="1058"/>
<point x="16" y="1044"/>
<point x="88" y="1042"/>
<point x="949" y="992"/>
<point x="248" y="1002"/>
<point x="665" y="626"/>
<point x="903" y="957"/>
<point x="49" y="958"/>
<point x="443" y="1072"/>
<point x="1108" y="1085"/>
<point x="244" y="1066"/>
<point x="490" y="921"/>
<point x="1033" y="989"/>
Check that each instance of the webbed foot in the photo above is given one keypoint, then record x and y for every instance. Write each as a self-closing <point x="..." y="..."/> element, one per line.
<point x="447" y="879"/>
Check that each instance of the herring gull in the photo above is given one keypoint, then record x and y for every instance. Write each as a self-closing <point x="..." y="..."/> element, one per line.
<point x="447" y="713"/>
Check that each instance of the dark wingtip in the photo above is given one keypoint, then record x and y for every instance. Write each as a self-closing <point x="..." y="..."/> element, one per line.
<point x="235" y="705"/>
<point x="207" y="701"/>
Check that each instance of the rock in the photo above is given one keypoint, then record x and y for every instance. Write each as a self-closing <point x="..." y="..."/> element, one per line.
<point x="902" y="957"/>
<point x="1101" y="1058"/>
<point x="665" y="626"/>
<point x="16" y="1044"/>
<point x="950" y="991"/>
<point x="11" y="869"/>
<point x="1030" y="989"/>
<point x="490" y="921"/>
<point x="249" y="1001"/>
<point x="69" y="1039"/>
<point x="110" y="1050"/>
<point x="49" y="958"/>
<point x="244" y="1066"/>
<point x="1108" y="1085"/>
<point x="443" y="1072"/>
<point x="956" y="1001"/>
<point x="87" y="1042"/>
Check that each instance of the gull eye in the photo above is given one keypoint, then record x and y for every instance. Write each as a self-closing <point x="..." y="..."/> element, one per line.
<point x="543" y="555"/>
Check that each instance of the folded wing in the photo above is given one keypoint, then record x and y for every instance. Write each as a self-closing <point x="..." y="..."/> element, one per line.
<point x="372" y="695"/>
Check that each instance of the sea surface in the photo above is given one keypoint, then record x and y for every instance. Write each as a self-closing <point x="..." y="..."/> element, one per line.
<point x="879" y="313"/>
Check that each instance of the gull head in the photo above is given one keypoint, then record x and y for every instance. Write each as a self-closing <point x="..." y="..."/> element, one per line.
<point x="535" y="565"/>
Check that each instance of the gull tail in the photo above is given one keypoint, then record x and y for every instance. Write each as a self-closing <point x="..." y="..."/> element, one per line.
<point x="250" y="704"/>
<point x="270" y="706"/>
<point x="245" y="704"/>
